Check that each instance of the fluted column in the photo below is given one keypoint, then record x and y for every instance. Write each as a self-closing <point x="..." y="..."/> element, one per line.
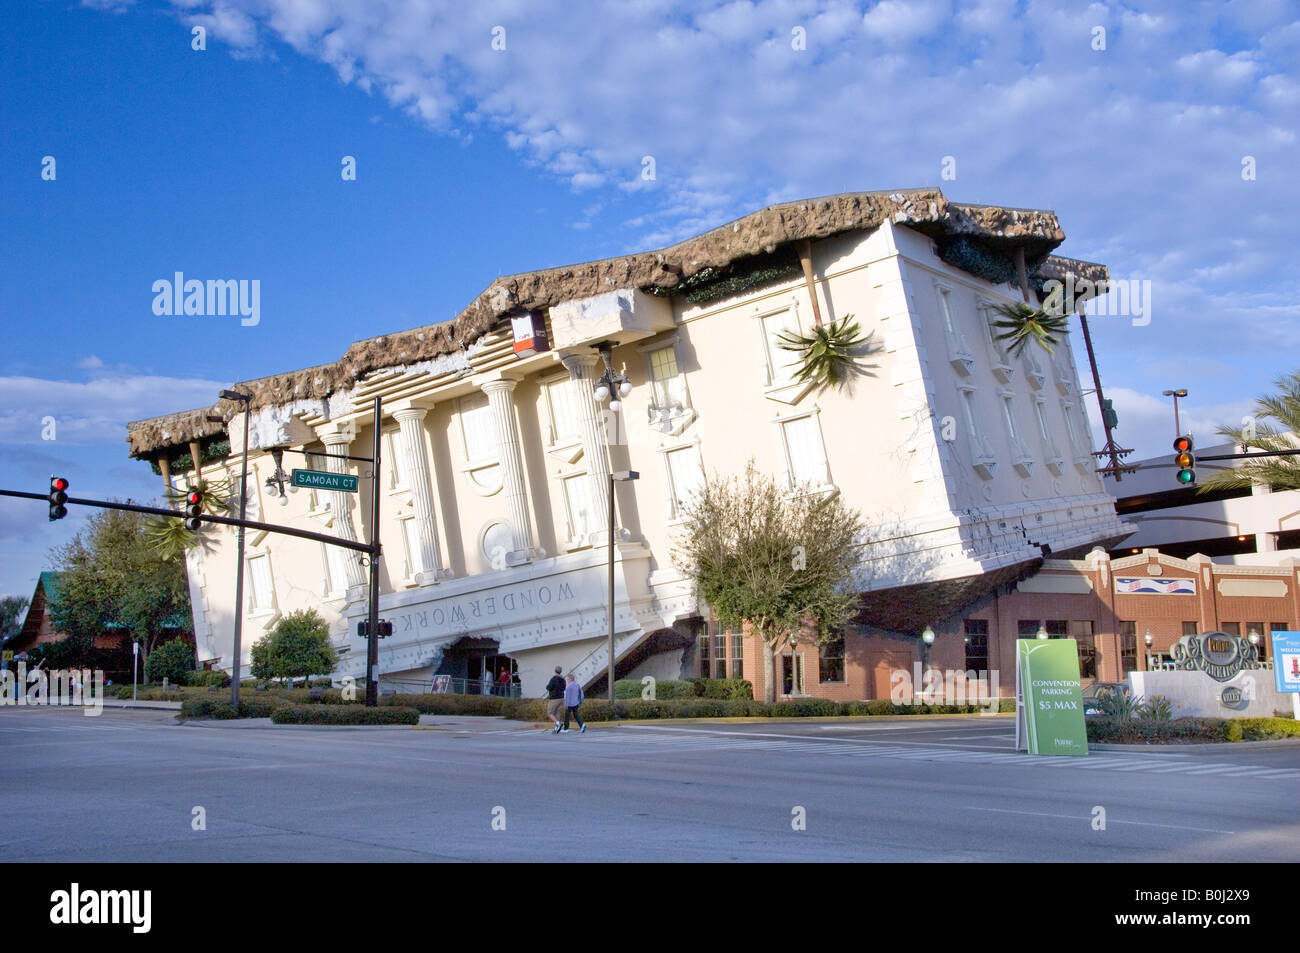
<point x="512" y="466"/>
<point x="593" y="433"/>
<point x="341" y="507"/>
<point x="415" y="464"/>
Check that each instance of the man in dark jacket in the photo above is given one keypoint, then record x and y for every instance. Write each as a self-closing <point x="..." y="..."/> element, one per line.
<point x="555" y="699"/>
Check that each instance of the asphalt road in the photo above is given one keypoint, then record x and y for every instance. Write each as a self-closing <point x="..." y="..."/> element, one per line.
<point x="127" y="785"/>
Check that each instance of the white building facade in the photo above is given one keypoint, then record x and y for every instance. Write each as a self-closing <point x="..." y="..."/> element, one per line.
<point x="969" y="464"/>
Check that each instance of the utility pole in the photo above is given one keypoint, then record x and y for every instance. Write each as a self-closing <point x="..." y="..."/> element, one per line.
<point x="372" y="626"/>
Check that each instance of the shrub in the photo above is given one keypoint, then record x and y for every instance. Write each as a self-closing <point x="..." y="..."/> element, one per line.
<point x="207" y="708"/>
<point x="345" y="715"/>
<point x="449" y="704"/>
<point x="524" y="709"/>
<point x="172" y="660"/>
<point x="1261" y="729"/>
<point x="260" y="706"/>
<point x="1157" y="709"/>
<point x="205" y="677"/>
<point x="804" y="707"/>
<point x="665" y="688"/>
<point x="728" y="688"/>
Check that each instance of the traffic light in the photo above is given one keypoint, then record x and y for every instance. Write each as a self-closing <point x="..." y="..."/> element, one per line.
<point x="58" y="496"/>
<point x="385" y="628"/>
<point x="1185" y="460"/>
<point x="193" y="509"/>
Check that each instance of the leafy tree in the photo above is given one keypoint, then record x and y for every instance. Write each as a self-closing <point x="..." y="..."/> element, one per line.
<point x="115" y="578"/>
<point x="76" y="651"/>
<point x="11" y="612"/>
<point x="298" y="646"/>
<point x="1274" y="425"/>
<point x="171" y="661"/>
<point x="776" y="562"/>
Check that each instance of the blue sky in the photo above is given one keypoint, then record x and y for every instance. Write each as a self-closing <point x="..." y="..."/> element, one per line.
<point x="474" y="162"/>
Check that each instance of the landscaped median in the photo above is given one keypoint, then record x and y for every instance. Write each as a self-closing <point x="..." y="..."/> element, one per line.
<point x="1191" y="730"/>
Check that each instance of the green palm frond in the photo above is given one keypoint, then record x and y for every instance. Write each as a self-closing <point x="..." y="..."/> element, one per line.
<point x="830" y="354"/>
<point x="168" y="533"/>
<point x="1274" y="426"/>
<point x="1022" y="324"/>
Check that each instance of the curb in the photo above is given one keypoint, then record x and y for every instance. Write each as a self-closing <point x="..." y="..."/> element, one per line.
<point x="793" y="720"/>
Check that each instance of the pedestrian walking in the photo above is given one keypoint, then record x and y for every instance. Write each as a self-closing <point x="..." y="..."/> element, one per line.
<point x="555" y="698"/>
<point x="573" y="697"/>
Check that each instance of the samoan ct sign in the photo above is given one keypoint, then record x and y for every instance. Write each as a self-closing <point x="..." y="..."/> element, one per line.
<point x="320" y="480"/>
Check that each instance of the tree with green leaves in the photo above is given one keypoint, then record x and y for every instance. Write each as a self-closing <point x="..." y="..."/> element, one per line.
<point x="171" y="661"/>
<point x="115" y="579"/>
<point x="779" y="563"/>
<point x="298" y="647"/>
<point x="1274" y="425"/>
<point x="12" y="613"/>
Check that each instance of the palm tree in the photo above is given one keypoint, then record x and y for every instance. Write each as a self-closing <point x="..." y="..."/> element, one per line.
<point x="1257" y="433"/>
<point x="1021" y="324"/>
<point x="827" y="356"/>
<point x="168" y="533"/>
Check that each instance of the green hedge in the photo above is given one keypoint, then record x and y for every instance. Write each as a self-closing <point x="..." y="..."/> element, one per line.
<point x="345" y="715"/>
<point x="447" y="704"/>
<point x="668" y="689"/>
<point x="221" y="707"/>
<point x="205" y="678"/>
<point x="732" y="688"/>
<point x="1205" y="730"/>
<point x="532" y="709"/>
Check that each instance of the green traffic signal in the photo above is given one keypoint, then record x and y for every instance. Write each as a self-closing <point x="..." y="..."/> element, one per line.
<point x="1185" y="460"/>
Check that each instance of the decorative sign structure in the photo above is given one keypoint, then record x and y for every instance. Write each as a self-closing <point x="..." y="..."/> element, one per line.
<point x="321" y="480"/>
<point x="530" y="333"/>
<point x="1137" y="586"/>
<point x="1218" y="654"/>
<point x="1049" y="699"/>
<point x="441" y="684"/>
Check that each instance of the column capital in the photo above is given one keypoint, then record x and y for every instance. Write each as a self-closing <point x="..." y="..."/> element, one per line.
<point x="577" y="361"/>
<point x="498" y="385"/>
<point x="336" y="436"/>
<point x="410" y="412"/>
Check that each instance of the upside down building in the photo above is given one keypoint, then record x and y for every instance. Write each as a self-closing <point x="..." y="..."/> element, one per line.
<point x="969" y="464"/>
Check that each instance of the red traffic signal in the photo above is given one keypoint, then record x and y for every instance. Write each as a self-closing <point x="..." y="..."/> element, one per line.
<point x="1184" y="460"/>
<point x="58" y="496"/>
<point x="193" y="509"/>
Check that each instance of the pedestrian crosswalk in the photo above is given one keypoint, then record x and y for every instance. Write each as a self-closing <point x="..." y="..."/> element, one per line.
<point x="634" y="743"/>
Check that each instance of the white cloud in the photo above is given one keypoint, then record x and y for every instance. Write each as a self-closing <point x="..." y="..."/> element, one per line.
<point x="91" y="412"/>
<point x="91" y="362"/>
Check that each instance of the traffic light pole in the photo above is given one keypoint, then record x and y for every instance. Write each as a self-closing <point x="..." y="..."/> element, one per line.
<point x="372" y="628"/>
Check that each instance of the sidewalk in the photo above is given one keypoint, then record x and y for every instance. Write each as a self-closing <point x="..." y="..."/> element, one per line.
<point x="127" y="703"/>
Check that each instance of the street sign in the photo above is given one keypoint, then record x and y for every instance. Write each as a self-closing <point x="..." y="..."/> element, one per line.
<point x="7" y="655"/>
<point x="1049" y="701"/>
<point x="320" y="480"/>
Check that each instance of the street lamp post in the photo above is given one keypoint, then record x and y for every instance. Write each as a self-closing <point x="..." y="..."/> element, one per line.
<point x="244" y="399"/>
<point x="1175" y="394"/>
<point x="612" y="386"/>
<point x="927" y="640"/>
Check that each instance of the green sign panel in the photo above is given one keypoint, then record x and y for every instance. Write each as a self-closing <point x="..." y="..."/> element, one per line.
<point x="1049" y="715"/>
<point x="319" y="480"/>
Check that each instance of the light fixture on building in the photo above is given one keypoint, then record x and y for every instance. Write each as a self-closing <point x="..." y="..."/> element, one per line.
<point x="1254" y="637"/>
<point x="1241" y="539"/>
<point x="611" y="382"/>
<point x="1148" y="639"/>
<point x="1042" y="631"/>
<point x="275" y="482"/>
<point x="927" y="636"/>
